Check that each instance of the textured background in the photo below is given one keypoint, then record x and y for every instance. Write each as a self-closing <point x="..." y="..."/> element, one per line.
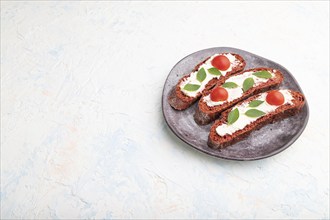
<point x="82" y="133"/>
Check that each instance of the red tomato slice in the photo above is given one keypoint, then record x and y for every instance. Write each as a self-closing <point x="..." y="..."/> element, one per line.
<point x="219" y="94"/>
<point x="221" y="62"/>
<point x="275" y="98"/>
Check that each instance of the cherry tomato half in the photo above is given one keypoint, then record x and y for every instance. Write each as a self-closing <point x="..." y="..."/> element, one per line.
<point x="221" y="62"/>
<point x="219" y="94"/>
<point x="275" y="98"/>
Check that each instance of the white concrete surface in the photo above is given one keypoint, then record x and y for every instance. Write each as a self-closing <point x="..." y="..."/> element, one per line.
<point x="82" y="133"/>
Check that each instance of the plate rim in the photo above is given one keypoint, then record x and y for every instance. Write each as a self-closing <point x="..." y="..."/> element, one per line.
<point x="288" y="144"/>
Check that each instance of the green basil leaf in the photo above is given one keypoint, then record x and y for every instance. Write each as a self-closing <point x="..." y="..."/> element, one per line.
<point x="229" y="85"/>
<point x="214" y="71"/>
<point x="233" y="116"/>
<point x="255" y="103"/>
<point x="248" y="84"/>
<point x="201" y="75"/>
<point x="263" y="74"/>
<point x="254" y="113"/>
<point x="191" y="87"/>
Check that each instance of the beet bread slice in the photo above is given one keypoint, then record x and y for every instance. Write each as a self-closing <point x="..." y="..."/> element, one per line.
<point x="203" y="77"/>
<point x="238" y="122"/>
<point x="263" y="79"/>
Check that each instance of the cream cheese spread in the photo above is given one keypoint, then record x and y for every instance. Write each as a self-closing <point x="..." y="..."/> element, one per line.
<point x="244" y="120"/>
<point x="192" y="79"/>
<point x="234" y="93"/>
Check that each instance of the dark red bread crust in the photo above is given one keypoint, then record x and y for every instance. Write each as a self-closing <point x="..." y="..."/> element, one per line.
<point x="216" y="141"/>
<point x="205" y="114"/>
<point x="179" y="101"/>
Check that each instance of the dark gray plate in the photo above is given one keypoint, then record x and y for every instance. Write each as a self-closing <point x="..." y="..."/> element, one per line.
<point x="267" y="141"/>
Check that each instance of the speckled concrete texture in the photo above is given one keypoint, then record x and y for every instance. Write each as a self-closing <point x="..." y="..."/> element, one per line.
<point x="82" y="130"/>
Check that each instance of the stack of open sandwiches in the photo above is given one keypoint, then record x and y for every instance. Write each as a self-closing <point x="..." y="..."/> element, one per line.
<point x="237" y="100"/>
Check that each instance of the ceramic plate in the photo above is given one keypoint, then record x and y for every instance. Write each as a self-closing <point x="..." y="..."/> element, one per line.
<point x="269" y="140"/>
